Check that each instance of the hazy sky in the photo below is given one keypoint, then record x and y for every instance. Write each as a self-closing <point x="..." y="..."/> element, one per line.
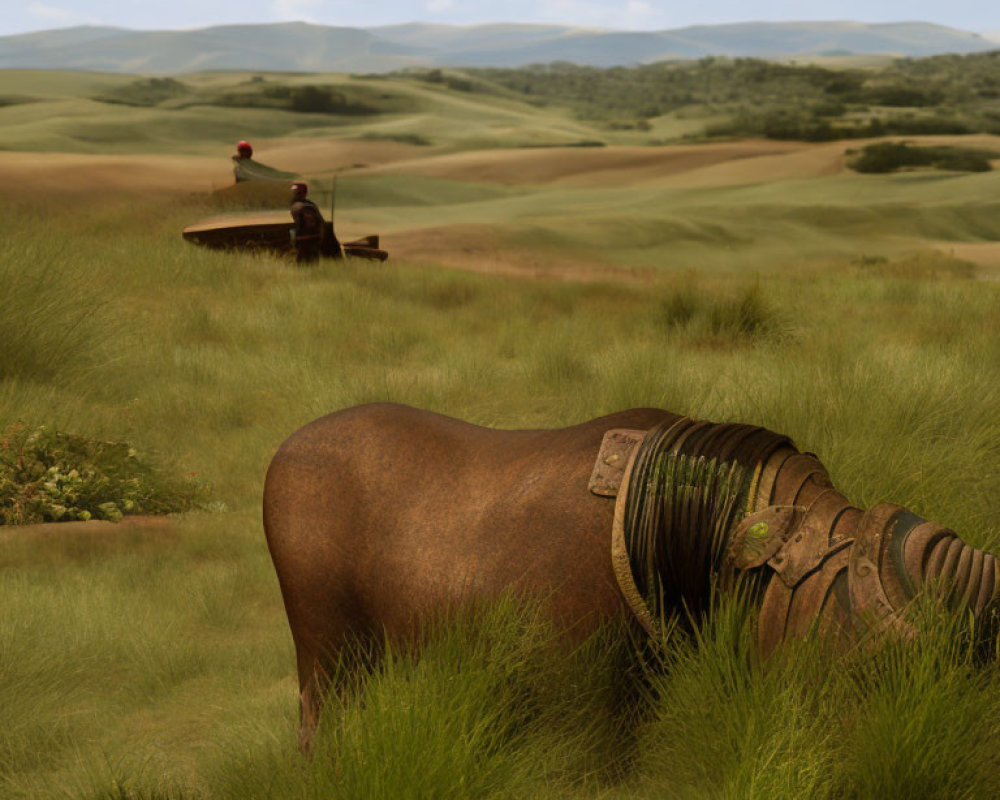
<point x="27" y="15"/>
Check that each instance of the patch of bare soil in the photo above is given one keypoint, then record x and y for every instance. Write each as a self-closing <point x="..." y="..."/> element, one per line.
<point x="480" y="248"/>
<point x="598" y="166"/>
<point x="312" y="156"/>
<point x="55" y="542"/>
<point x="985" y="255"/>
<point x="813" y="161"/>
<point x="695" y="165"/>
<point x="74" y="174"/>
<point x="70" y="174"/>
<point x="90" y="527"/>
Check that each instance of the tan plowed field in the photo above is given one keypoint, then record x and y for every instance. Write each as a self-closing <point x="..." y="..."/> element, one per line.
<point x="588" y="166"/>
<point x="616" y="212"/>
<point x="702" y="165"/>
<point x="83" y="173"/>
<point x="77" y="173"/>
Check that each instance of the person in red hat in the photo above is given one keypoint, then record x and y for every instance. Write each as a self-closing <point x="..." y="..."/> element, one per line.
<point x="244" y="153"/>
<point x="307" y="235"/>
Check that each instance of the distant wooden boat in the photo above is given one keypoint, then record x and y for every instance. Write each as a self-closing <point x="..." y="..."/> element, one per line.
<point x="268" y="230"/>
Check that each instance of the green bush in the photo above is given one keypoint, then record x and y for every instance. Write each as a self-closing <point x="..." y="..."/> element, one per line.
<point x="889" y="156"/>
<point x="146" y="92"/>
<point x="403" y="138"/>
<point x="307" y="99"/>
<point x="48" y="476"/>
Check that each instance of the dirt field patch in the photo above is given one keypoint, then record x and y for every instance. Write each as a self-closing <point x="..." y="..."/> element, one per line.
<point x="72" y="174"/>
<point x="84" y="174"/>
<point x="599" y="166"/>
<point x="479" y="248"/>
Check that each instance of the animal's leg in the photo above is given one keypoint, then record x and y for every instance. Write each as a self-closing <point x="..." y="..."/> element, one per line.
<point x="334" y="647"/>
<point x="311" y="693"/>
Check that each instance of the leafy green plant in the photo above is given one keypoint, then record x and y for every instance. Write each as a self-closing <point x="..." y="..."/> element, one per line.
<point x="48" y="476"/>
<point x="890" y="156"/>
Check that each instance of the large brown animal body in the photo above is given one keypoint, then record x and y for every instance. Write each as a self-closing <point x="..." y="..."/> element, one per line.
<point x="380" y="516"/>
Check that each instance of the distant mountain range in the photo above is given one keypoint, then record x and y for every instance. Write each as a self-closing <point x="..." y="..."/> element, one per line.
<point x="300" y="47"/>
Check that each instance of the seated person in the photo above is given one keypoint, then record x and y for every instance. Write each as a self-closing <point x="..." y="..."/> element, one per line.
<point x="307" y="235"/>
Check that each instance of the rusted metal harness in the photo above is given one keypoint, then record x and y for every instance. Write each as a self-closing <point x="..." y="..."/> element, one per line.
<point x="700" y="502"/>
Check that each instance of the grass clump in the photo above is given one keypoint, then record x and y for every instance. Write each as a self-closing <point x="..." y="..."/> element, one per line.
<point x="744" y="317"/>
<point x="907" y="697"/>
<point x="724" y="724"/>
<point x="16" y="100"/>
<point x="52" y="321"/>
<point x="484" y="703"/>
<point x="921" y="265"/>
<point x="403" y="138"/>
<point x="145" y="92"/>
<point x="883" y="157"/>
<point x="48" y="476"/>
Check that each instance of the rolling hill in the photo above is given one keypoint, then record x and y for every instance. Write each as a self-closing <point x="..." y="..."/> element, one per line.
<point x="300" y="47"/>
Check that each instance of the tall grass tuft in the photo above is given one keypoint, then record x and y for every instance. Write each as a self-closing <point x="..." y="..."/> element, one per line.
<point x="487" y="704"/>
<point x="913" y="705"/>
<point x="54" y="320"/>
<point x="726" y="725"/>
<point x="721" y="318"/>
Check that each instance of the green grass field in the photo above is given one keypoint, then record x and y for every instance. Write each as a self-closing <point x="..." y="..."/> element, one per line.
<point x="858" y="314"/>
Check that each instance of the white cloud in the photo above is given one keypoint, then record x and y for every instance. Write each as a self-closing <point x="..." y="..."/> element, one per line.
<point x="50" y="13"/>
<point x="642" y="14"/>
<point x="61" y="17"/>
<point x="634" y="14"/>
<point x="639" y="8"/>
<point x="437" y="6"/>
<point x="295" y="10"/>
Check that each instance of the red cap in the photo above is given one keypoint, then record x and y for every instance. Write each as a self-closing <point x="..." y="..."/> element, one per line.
<point x="244" y="149"/>
<point x="300" y="187"/>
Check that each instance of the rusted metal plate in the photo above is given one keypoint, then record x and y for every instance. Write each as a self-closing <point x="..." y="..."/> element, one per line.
<point x="768" y="476"/>
<point x="794" y="474"/>
<point x="760" y="535"/>
<point x="810" y="597"/>
<point x="810" y="543"/>
<point x="868" y="598"/>
<point x="773" y="616"/>
<point x="616" y="448"/>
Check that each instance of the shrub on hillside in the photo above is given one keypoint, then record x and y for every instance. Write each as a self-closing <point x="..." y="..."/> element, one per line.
<point x="403" y="138"/>
<point x="146" y="92"/>
<point x="885" y="157"/>
<point x="48" y="476"/>
<point x="308" y="98"/>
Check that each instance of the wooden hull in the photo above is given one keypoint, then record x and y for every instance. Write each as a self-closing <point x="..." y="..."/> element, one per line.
<point x="266" y="231"/>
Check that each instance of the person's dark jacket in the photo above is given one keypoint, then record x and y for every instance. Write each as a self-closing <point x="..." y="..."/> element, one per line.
<point x="308" y="219"/>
